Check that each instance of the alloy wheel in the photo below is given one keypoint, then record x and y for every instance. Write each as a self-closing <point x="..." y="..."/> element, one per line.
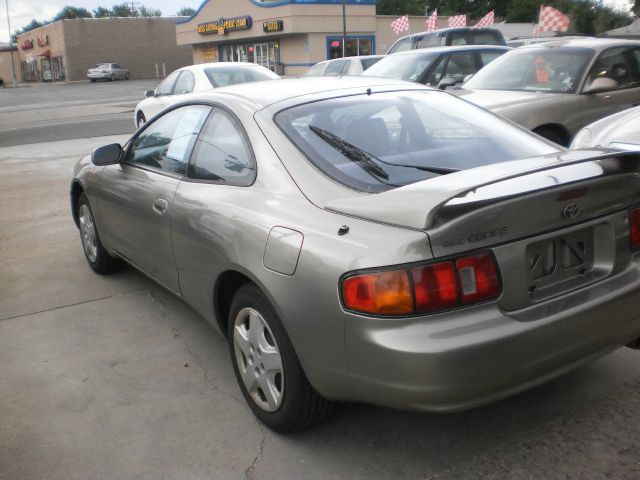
<point x="258" y="359"/>
<point x="88" y="233"/>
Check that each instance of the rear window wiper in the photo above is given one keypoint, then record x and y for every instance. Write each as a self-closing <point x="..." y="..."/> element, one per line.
<point x="353" y="153"/>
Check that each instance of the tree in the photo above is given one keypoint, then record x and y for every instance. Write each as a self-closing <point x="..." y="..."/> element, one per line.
<point x="636" y="8"/>
<point x="123" y="10"/>
<point x="149" y="12"/>
<point x="102" y="12"/>
<point x="188" y="12"/>
<point x="72" y="12"/>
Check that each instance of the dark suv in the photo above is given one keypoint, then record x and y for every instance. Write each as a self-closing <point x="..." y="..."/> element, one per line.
<point x="449" y="36"/>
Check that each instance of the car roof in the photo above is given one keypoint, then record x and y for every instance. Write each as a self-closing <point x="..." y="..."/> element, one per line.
<point x="451" y="48"/>
<point x="217" y="65"/>
<point x="353" y="57"/>
<point x="589" y="42"/>
<point x="265" y="93"/>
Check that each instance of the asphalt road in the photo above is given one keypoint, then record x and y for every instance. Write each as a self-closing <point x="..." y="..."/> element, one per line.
<point x="50" y="112"/>
<point x="113" y="377"/>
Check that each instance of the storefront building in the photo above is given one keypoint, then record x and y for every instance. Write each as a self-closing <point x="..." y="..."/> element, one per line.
<point x="66" y="49"/>
<point x="287" y="36"/>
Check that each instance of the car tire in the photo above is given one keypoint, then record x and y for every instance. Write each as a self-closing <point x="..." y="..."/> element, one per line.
<point x="551" y="134"/>
<point x="97" y="257"/>
<point x="112" y="77"/>
<point x="140" y="119"/>
<point x="126" y="77"/>
<point x="93" y="80"/>
<point x="263" y="358"/>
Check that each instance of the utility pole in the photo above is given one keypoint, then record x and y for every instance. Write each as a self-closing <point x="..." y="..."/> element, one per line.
<point x="13" y="66"/>
<point x="344" y="26"/>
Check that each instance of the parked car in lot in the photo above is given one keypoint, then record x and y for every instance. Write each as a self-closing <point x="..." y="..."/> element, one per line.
<point x="557" y="88"/>
<point x="366" y="240"/>
<point x="343" y="66"/>
<point x="447" y="37"/>
<point x="620" y="131"/>
<point x="197" y="78"/>
<point x="107" y="71"/>
<point x="442" y="67"/>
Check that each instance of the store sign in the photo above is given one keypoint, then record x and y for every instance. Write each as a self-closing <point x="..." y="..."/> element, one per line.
<point x="225" y="25"/>
<point x="335" y="44"/>
<point x="43" y="40"/>
<point x="27" y="44"/>
<point x="273" y="26"/>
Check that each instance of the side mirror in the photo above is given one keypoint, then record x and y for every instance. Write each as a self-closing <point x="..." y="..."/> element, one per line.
<point x="448" y="82"/>
<point x="107" y="155"/>
<point x="149" y="93"/>
<point x="601" y="84"/>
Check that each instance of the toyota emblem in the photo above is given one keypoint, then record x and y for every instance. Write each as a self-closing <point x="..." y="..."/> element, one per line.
<point x="570" y="211"/>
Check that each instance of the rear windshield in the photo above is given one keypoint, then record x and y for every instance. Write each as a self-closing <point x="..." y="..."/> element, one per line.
<point x="476" y="38"/>
<point x="367" y="62"/>
<point x="223" y="76"/>
<point x="401" y="45"/>
<point x="408" y="67"/>
<point x="382" y="141"/>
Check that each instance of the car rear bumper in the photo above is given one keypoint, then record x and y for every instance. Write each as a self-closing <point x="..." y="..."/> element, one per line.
<point x="462" y="359"/>
<point x="98" y="76"/>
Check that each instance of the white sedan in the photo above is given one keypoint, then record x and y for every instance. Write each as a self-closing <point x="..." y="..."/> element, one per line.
<point x="197" y="78"/>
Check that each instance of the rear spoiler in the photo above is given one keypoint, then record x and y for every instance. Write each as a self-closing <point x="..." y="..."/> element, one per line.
<point x="417" y="205"/>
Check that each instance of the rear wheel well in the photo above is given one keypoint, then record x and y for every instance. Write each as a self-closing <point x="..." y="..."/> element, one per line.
<point x="554" y="132"/>
<point x="226" y="287"/>
<point x="76" y="191"/>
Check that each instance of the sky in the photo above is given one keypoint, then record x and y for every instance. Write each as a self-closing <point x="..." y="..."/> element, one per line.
<point x="22" y="11"/>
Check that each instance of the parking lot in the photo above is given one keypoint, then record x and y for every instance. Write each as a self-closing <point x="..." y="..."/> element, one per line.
<point x="113" y="377"/>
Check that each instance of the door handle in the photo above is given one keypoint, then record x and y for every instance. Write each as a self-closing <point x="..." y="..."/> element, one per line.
<point x="160" y="206"/>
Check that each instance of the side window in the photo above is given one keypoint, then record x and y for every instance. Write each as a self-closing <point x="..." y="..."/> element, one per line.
<point x="166" y="85"/>
<point x="222" y="153"/>
<point x="115" y="65"/>
<point x="489" y="56"/>
<point x="345" y="68"/>
<point x="185" y="83"/>
<point x="335" y="68"/>
<point x="460" y="65"/>
<point x="166" y="143"/>
<point x="617" y="64"/>
<point x="437" y="73"/>
<point x="431" y="40"/>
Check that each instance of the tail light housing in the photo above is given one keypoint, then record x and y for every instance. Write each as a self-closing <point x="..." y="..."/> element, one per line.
<point x="423" y="289"/>
<point x="634" y="221"/>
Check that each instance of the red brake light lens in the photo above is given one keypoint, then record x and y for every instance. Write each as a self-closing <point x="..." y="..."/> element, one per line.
<point x="435" y="286"/>
<point x="380" y="293"/>
<point x="634" y="217"/>
<point x="479" y="279"/>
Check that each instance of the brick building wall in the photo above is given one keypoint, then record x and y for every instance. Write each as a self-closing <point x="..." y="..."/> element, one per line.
<point x="135" y="43"/>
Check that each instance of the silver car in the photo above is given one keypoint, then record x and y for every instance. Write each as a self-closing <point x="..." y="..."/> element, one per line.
<point x="620" y="131"/>
<point x="557" y="88"/>
<point x="343" y="66"/>
<point x="107" y="71"/>
<point x="361" y="239"/>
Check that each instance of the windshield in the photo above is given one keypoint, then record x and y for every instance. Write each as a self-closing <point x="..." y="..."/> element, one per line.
<point x="102" y="65"/>
<point x="401" y="45"/>
<point x="550" y="70"/>
<point x="381" y="141"/>
<point x="402" y="67"/>
<point x="223" y="76"/>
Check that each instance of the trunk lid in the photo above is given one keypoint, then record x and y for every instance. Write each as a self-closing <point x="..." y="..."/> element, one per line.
<point x="554" y="223"/>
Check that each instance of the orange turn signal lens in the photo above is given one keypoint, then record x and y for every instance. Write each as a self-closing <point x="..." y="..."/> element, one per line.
<point x="381" y="293"/>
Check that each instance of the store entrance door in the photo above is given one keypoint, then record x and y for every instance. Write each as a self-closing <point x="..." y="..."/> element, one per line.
<point x="262" y="54"/>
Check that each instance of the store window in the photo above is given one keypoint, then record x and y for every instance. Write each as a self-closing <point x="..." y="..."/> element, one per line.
<point x="353" y="46"/>
<point x="266" y="54"/>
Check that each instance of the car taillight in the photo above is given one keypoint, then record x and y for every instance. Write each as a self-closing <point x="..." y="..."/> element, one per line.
<point x="634" y="219"/>
<point x="380" y="293"/>
<point x="434" y="287"/>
